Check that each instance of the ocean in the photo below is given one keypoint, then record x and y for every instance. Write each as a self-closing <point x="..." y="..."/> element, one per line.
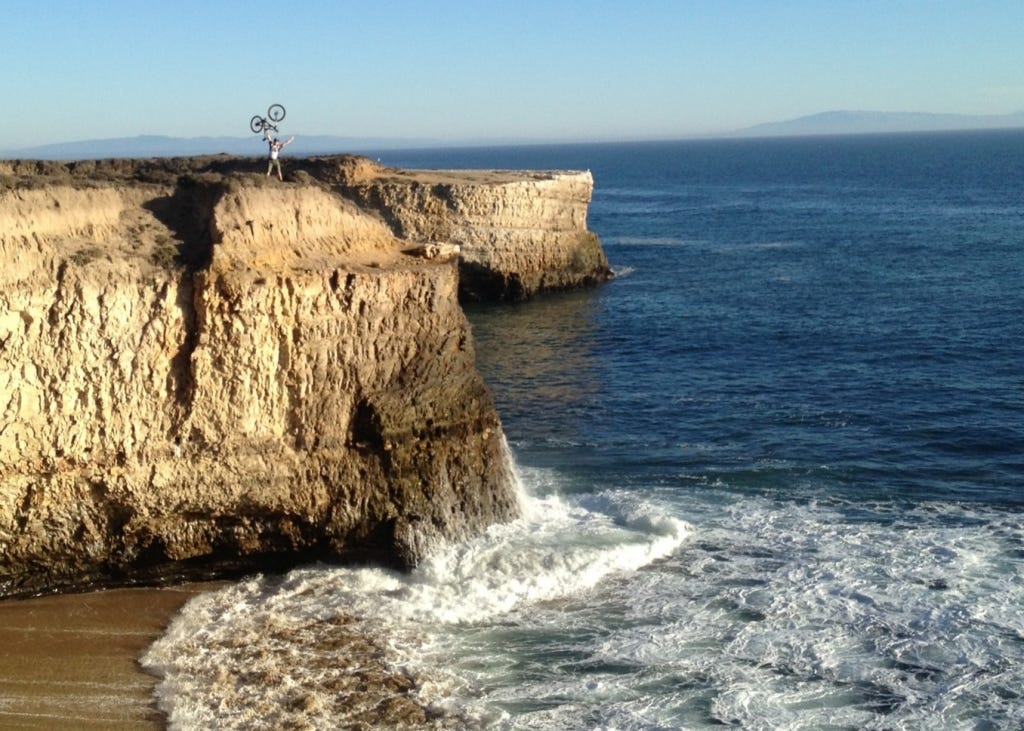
<point x="772" y="473"/>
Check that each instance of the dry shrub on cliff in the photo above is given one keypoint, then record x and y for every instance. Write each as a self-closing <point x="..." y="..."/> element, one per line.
<point x="321" y="171"/>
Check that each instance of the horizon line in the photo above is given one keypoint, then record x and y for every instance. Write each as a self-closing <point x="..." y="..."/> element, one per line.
<point x="380" y="144"/>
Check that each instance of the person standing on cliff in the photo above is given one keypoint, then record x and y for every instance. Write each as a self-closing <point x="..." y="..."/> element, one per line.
<point x="275" y="147"/>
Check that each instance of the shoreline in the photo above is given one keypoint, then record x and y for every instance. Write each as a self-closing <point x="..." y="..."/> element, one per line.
<point x="72" y="660"/>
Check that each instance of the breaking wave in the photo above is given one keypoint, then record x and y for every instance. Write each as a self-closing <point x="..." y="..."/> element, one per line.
<point x="278" y="632"/>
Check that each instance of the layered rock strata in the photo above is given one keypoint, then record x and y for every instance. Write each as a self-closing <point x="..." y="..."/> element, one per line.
<point x="203" y="372"/>
<point x="519" y="233"/>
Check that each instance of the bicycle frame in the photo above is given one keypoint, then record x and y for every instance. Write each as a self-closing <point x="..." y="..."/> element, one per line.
<point x="275" y="113"/>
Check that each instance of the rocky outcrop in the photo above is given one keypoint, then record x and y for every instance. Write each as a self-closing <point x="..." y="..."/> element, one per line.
<point x="519" y="233"/>
<point x="202" y="372"/>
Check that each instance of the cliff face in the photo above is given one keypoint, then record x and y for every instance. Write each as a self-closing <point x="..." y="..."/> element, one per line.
<point x="206" y="373"/>
<point x="519" y="233"/>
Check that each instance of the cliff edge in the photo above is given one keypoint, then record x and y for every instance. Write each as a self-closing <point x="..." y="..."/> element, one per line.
<point x="519" y="233"/>
<point x="203" y="371"/>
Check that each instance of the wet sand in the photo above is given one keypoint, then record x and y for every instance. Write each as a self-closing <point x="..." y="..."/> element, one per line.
<point x="71" y="661"/>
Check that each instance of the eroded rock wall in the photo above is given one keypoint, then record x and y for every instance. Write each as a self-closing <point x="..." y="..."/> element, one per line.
<point x="301" y="389"/>
<point x="519" y="233"/>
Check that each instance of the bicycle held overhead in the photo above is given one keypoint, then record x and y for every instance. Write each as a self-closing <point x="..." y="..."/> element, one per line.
<point x="259" y="124"/>
<point x="268" y="127"/>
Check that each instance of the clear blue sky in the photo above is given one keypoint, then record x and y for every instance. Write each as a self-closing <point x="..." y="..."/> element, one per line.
<point x="482" y="69"/>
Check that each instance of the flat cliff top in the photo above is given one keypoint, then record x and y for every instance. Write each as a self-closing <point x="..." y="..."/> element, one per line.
<point x="328" y="170"/>
<point x="458" y="177"/>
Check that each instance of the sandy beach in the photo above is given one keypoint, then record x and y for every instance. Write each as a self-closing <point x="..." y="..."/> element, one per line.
<point x="71" y="661"/>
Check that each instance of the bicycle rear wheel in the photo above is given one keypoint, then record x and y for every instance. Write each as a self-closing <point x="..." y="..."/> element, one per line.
<point x="256" y="124"/>
<point x="275" y="112"/>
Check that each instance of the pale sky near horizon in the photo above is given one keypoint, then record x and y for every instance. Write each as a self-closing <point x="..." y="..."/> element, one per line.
<point x="461" y="70"/>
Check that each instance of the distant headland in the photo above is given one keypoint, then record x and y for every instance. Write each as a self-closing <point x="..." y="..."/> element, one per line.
<point x="852" y="122"/>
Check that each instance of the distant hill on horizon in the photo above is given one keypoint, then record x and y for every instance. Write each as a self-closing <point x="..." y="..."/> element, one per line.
<point x="824" y="123"/>
<point x="852" y="122"/>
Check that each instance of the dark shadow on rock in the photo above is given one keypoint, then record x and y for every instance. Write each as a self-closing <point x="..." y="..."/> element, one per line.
<point x="188" y="213"/>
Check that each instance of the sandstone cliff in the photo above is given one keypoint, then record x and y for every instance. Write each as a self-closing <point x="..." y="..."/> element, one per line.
<point x="202" y="371"/>
<point x="519" y="233"/>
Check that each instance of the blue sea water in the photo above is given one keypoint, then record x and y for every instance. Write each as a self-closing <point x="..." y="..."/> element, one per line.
<point x="773" y="473"/>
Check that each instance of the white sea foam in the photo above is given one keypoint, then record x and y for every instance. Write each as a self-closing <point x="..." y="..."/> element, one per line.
<point x="274" y="632"/>
<point x="610" y="611"/>
<point x="774" y="616"/>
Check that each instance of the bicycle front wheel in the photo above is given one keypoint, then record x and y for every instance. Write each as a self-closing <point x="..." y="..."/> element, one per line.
<point x="275" y="112"/>
<point x="256" y="124"/>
